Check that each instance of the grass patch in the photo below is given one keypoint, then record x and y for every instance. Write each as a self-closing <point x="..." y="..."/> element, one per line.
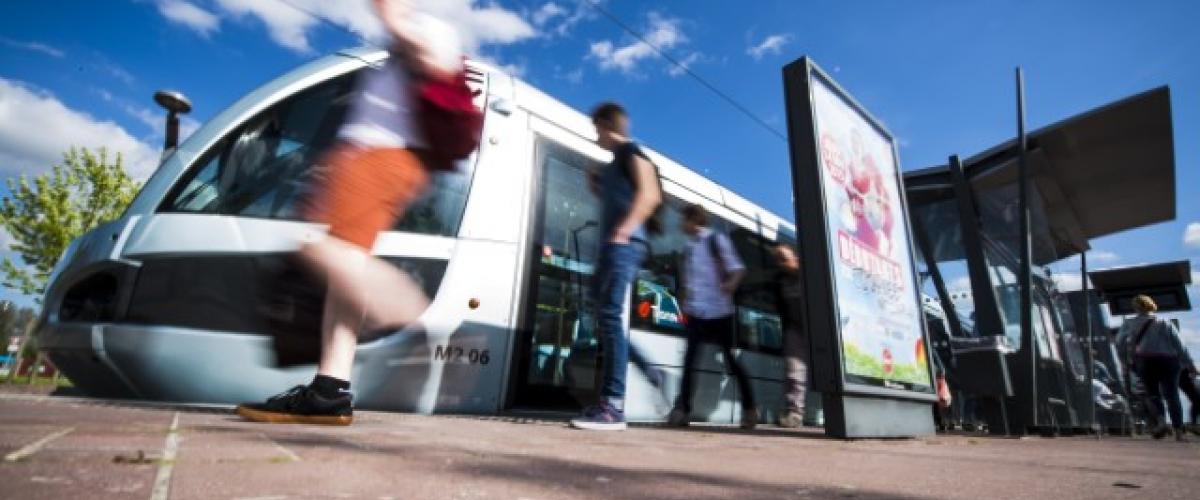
<point x="62" y="381"/>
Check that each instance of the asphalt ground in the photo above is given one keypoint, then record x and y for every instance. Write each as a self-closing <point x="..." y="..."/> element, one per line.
<point x="57" y="447"/>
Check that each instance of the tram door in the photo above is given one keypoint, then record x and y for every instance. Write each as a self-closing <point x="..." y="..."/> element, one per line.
<point x="557" y="349"/>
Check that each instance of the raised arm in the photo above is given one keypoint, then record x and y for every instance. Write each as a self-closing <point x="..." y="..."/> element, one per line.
<point x="431" y="45"/>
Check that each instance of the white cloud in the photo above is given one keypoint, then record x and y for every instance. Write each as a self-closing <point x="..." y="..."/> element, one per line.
<point x="34" y="46"/>
<point x="199" y="20"/>
<point x="36" y="128"/>
<point x="287" y="25"/>
<point x="684" y="65"/>
<point x="573" y="76"/>
<point x="554" y="20"/>
<point x="1103" y="256"/>
<point x="6" y="240"/>
<point x="291" y="26"/>
<point x="547" y="12"/>
<point x="771" y="45"/>
<point x="664" y="34"/>
<point x="116" y="72"/>
<point x="1191" y="236"/>
<point x="1068" y="281"/>
<point x="959" y="285"/>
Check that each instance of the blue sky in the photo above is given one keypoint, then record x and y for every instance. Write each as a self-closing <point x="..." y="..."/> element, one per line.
<point x="939" y="74"/>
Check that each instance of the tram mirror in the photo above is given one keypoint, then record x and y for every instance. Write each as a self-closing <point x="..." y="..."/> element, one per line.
<point x="870" y="351"/>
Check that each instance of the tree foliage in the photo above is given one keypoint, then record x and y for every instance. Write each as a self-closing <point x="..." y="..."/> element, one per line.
<point x="43" y="214"/>
<point x="14" y="321"/>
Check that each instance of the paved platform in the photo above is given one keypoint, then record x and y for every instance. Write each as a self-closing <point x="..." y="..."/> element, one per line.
<point x="78" y="448"/>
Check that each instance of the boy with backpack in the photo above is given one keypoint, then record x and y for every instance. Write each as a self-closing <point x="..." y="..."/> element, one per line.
<point x="711" y="273"/>
<point x="630" y="193"/>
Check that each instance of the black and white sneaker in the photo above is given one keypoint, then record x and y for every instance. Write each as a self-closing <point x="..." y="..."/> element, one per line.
<point x="300" y="405"/>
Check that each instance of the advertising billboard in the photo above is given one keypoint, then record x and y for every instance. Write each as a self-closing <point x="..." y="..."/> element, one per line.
<point x="863" y="305"/>
<point x="882" y="335"/>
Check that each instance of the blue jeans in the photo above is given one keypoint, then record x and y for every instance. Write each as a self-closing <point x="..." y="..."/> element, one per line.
<point x="616" y="269"/>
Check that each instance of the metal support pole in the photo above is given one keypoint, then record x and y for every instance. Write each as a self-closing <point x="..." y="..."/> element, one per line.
<point x="918" y="228"/>
<point x="1025" y="274"/>
<point x="1087" y="327"/>
<point x="987" y="310"/>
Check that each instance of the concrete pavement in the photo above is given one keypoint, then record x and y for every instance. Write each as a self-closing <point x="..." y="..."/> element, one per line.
<point x="77" y="448"/>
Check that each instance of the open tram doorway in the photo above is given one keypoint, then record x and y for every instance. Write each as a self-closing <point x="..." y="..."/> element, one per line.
<point x="557" y="352"/>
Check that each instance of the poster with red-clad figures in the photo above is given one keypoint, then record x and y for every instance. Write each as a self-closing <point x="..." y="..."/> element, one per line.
<point x="880" y="318"/>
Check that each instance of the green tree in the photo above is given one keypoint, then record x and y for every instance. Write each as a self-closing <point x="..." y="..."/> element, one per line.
<point x="45" y="213"/>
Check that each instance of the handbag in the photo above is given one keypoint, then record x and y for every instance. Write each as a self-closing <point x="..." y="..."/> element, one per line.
<point x="1131" y="353"/>
<point x="448" y="117"/>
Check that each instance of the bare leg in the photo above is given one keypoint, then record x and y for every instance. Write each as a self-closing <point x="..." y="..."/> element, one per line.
<point x="339" y="339"/>
<point x="362" y="291"/>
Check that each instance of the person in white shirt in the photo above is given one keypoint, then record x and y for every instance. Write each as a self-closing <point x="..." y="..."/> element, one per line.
<point x="711" y="273"/>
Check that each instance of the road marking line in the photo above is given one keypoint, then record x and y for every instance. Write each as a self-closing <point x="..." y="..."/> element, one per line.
<point x="286" y="452"/>
<point x="35" y="446"/>
<point x="162" y="482"/>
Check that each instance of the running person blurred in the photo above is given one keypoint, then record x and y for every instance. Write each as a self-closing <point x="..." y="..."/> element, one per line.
<point x="367" y="180"/>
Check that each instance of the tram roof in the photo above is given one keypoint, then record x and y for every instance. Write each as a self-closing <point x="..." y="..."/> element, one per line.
<point x="1104" y="171"/>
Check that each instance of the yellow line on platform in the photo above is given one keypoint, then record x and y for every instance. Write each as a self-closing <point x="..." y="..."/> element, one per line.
<point x="288" y="454"/>
<point x="35" y="446"/>
<point x="162" y="482"/>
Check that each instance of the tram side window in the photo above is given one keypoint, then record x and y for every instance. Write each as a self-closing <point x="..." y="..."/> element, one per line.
<point x="261" y="169"/>
<point x="265" y="166"/>
<point x="759" y="326"/>
<point x="656" y="305"/>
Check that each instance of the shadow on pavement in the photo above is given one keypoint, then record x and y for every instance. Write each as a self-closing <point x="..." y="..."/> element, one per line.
<point x="577" y="478"/>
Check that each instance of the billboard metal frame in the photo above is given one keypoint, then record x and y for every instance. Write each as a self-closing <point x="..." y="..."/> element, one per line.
<point x="852" y="409"/>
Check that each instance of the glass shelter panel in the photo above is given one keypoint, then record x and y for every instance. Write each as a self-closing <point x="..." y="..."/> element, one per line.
<point x="942" y="223"/>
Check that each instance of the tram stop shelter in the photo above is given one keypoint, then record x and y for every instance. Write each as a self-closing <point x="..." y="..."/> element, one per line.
<point x="1166" y="283"/>
<point x="1105" y="171"/>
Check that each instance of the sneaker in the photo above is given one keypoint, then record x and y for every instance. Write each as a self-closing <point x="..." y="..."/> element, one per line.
<point x="1160" y="431"/>
<point x="601" y="417"/>
<point x="662" y="399"/>
<point x="300" y="405"/>
<point x="791" y="419"/>
<point x="677" y="418"/>
<point x="656" y="377"/>
<point x="749" y="418"/>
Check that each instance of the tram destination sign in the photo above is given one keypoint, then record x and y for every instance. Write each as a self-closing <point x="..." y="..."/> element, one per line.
<point x="864" y="311"/>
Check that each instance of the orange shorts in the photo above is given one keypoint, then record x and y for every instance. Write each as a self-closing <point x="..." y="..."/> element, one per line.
<point x="362" y="191"/>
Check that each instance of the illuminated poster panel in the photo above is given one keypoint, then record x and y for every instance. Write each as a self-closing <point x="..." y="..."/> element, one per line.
<point x="882" y="334"/>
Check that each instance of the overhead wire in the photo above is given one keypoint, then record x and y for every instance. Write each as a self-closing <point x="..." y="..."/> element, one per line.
<point x="594" y="5"/>
<point x="687" y="70"/>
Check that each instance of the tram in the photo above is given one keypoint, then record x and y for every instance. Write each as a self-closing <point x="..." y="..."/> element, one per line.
<point x="164" y="302"/>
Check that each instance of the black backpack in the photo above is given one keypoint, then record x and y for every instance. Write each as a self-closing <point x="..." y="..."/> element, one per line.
<point x="653" y="224"/>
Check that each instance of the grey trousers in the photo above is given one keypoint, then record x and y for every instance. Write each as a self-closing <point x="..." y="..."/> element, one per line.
<point x="795" y="353"/>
